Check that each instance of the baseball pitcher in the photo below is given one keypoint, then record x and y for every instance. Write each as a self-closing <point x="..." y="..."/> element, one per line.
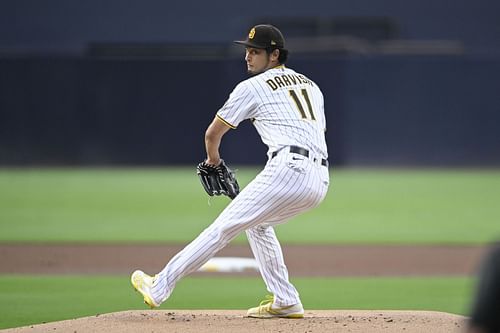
<point x="287" y="110"/>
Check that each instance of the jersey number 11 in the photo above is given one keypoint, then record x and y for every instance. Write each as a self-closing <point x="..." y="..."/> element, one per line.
<point x="298" y="103"/>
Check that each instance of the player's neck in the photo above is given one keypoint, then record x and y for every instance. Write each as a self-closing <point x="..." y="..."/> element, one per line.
<point x="274" y="65"/>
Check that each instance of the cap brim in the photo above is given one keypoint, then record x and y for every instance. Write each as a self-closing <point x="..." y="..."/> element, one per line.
<point x="249" y="44"/>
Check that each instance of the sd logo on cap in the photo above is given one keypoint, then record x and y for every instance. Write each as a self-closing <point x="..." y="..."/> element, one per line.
<point x="264" y="36"/>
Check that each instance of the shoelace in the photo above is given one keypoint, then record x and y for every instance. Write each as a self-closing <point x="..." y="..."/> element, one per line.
<point x="265" y="305"/>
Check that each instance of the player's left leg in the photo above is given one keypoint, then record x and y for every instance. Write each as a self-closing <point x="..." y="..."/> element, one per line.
<point x="261" y="200"/>
<point x="241" y="214"/>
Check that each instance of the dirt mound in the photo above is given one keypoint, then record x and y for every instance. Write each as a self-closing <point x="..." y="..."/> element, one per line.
<point x="217" y="321"/>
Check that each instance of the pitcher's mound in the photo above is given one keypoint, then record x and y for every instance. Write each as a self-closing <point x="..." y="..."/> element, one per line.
<point x="217" y="321"/>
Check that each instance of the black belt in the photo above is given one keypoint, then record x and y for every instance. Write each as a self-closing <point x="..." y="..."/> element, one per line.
<point x="303" y="152"/>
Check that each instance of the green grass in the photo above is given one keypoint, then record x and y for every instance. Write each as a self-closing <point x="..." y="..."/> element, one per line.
<point x="28" y="300"/>
<point x="169" y="205"/>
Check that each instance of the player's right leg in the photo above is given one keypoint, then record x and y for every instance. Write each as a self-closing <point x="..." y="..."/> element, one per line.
<point x="307" y="194"/>
<point x="285" y="302"/>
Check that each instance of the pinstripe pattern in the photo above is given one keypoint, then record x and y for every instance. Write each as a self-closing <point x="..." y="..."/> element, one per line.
<point x="275" y="113"/>
<point x="288" y="185"/>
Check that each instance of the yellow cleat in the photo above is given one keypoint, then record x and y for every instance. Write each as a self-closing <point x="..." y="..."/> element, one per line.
<point x="266" y="310"/>
<point x="143" y="283"/>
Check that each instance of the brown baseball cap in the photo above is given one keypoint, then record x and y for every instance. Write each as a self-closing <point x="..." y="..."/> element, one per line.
<point x="264" y="36"/>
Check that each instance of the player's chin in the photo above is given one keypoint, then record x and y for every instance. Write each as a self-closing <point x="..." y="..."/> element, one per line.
<point x="252" y="71"/>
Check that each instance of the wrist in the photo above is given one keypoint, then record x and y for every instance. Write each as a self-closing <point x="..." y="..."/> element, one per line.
<point x="213" y="161"/>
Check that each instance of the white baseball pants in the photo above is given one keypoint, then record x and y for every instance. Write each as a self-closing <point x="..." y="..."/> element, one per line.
<point x="289" y="185"/>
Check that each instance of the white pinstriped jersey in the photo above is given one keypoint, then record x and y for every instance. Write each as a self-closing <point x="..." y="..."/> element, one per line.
<point x="285" y="107"/>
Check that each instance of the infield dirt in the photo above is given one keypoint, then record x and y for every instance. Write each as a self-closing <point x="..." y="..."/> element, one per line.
<point x="224" y="321"/>
<point x="302" y="261"/>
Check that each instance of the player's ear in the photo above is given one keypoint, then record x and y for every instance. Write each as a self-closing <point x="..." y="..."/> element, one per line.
<point x="275" y="55"/>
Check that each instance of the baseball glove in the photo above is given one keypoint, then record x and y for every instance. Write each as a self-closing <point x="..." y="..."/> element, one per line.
<point x="217" y="180"/>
